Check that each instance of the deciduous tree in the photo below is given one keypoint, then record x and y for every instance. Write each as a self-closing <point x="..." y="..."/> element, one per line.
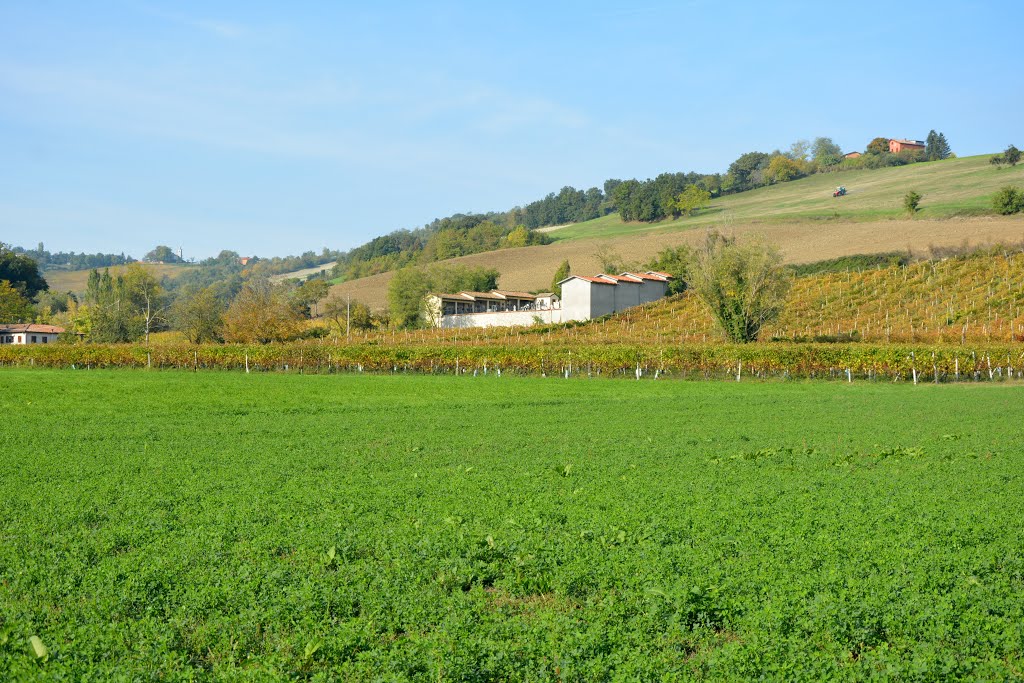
<point x="162" y="254"/>
<point x="14" y="305"/>
<point x="744" y="173"/>
<point x="22" y="272"/>
<point x="1009" y="200"/>
<point x="310" y="293"/>
<point x="145" y="298"/>
<point x="782" y="169"/>
<point x="878" y="146"/>
<point x="198" y="315"/>
<point x="826" y="152"/>
<point x="675" y="261"/>
<point x="561" y="273"/>
<point x="346" y="315"/>
<point x="1009" y="157"/>
<point x="744" y="285"/>
<point x="799" y="151"/>
<point x="406" y="291"/>
<point x="692" y="199"/>
<point x="519" y="237"/>
<point x="262" y="313"/>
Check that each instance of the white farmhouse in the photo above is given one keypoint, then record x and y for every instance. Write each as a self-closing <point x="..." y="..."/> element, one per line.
<point x="583" y="298"/>
<point x="29" y="334"/>
<point x="497" y="308"/>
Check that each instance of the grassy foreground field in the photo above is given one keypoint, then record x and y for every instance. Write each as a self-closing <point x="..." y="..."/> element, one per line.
<point x="182" y="526"/>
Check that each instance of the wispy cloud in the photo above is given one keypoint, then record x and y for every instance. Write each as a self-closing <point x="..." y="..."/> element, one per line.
<point x="224" y="29"/>
<point x="326" y="119"/>
<point x="221" y="28"/>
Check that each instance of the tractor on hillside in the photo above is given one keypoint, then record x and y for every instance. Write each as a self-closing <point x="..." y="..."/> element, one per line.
<point x="839" y="191"/>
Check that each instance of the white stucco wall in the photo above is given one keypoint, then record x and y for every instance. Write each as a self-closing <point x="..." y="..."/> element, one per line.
<point x="575" y="300"/>
<point x="26" y="338"/>
<point x="501" y="319"/>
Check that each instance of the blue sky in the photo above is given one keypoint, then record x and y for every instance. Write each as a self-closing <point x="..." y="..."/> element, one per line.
<point x="273" y="128"/>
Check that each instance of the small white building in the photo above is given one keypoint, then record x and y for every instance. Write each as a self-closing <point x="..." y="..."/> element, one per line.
<point x="29" y="334"/>
<point x="497" y="308"/>
<point x="585" y="298"/>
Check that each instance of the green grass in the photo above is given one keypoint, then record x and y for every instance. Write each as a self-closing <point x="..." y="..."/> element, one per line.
<point x="950" y="188"/>
<point x="255" y="527"/>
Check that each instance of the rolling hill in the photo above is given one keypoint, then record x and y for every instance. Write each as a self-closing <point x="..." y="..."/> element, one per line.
<point x="954" y="188"/>
<point x="76" y="280"/>
<point x="801" y="217"/>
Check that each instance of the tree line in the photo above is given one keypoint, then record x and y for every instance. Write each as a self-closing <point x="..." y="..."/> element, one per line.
<point x="70" y="260"/>
<point x="668" y="195"/>
<point x="219" y="301"/>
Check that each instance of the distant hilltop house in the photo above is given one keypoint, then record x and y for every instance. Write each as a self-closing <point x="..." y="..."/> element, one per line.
<point x="852" y="155"/>
<point x="29" y="334"/>
<point x="583" y="298"/>
<point x="244" y="260"/>
<point x="897" y="146"/>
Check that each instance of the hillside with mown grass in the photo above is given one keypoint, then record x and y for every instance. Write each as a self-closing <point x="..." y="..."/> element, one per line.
<point x="952" y="188"/>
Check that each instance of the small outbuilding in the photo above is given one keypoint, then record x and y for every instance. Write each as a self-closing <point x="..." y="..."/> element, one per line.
<point x="497" y="308"/>
<point x="585" y="298"/>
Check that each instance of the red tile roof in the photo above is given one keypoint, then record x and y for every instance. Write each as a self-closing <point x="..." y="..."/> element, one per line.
<point x="482" y="295"/>
<point x="460" y="296"/>
<point x="647" y="276"/>
<point x="622" y="278"/>
<point x="596" y="280"/>
<point x="32" y="327"/>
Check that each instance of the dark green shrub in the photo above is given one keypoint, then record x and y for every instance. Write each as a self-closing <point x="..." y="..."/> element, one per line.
<point x="911" y="202"/>
<point x="1009" y="200"/>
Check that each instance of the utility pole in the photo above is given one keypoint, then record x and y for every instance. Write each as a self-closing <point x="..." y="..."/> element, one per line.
<point x="348" y="316"/>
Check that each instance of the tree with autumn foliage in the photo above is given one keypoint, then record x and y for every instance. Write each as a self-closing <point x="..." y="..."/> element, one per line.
<point x="262" y="313"/>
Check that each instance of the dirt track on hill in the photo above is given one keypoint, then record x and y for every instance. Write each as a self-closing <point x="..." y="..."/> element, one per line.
<point x="531" y="268"/>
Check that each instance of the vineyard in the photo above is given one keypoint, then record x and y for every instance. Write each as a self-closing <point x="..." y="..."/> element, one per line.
<point x="560" y="358"/>
<point x="977" y="299"/>
<point x="221" y="526"/>
<point x="955" y="319"/>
